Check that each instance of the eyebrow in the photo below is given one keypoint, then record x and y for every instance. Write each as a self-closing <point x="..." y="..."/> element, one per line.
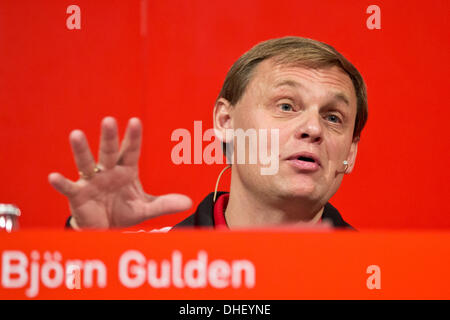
<point x="339" y="96"/>
<point x="289" y="83"/>
<point x="342" y="97"/>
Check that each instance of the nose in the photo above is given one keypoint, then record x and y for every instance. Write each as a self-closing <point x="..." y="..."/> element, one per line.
<point x="310" y="128"/>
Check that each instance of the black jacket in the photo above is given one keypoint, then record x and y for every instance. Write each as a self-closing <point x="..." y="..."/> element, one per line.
<point x="204" y="215"/>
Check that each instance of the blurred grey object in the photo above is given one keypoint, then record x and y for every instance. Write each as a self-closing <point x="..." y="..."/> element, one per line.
<point x="9" y="217"/>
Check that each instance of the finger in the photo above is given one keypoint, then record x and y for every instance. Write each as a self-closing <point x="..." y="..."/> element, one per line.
<point x="131" y="145"/>
<point x="62" y="185"/>
<point x="109" y="144"/>
<point x="82" y="153"/>
<point x="169" y="203"/>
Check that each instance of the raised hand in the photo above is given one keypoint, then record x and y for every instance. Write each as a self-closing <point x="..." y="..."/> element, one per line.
<point x="109" y="194"/>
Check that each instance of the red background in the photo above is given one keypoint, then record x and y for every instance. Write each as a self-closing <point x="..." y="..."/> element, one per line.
<point x="165" y="61"/>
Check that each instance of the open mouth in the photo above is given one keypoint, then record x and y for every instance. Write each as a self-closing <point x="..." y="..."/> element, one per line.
<point x="305" y="161"/>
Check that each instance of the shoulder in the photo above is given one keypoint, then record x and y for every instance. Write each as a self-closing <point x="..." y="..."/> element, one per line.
<point x="331" y="214"/>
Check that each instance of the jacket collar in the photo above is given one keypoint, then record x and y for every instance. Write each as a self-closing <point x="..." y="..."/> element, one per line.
<point x="204" y="215"/>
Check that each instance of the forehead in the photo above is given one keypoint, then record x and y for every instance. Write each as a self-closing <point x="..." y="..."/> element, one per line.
<point x="269" y="76"/>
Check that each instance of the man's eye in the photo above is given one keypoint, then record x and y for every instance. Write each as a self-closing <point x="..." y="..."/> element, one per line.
<point x="333" y="118"/>
<point x="286" y="107"/>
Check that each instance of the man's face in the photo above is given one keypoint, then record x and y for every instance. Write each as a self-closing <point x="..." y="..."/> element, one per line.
<point x="314" y="110"/>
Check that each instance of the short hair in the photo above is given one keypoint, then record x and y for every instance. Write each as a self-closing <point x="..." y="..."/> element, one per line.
<point x="294" y="51"/>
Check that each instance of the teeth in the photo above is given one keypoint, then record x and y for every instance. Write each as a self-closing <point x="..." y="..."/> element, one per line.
<point x="306" y="159"/>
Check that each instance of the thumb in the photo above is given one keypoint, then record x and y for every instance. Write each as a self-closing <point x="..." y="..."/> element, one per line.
<point x="168" y="203"/>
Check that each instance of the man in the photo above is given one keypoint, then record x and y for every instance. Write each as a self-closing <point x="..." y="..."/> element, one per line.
<point x="304" y="88"/>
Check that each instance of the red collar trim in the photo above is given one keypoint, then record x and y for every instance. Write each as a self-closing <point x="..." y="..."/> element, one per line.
<point x="219" y="211"/>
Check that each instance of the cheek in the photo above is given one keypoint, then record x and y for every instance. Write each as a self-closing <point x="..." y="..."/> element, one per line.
<point x="250" y="117"/>
<point x="337" y="152"/>
<point x="285" y="135"/>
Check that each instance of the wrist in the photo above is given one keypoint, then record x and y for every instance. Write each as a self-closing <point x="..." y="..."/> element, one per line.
<point x="72" y="224"/>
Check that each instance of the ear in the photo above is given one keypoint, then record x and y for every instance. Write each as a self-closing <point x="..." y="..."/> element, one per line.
<point x="351" y="158"/>
<point x="223" y="119"/>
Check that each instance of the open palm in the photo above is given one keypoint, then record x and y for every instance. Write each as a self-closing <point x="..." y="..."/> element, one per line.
<point x="109" y="194"/>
